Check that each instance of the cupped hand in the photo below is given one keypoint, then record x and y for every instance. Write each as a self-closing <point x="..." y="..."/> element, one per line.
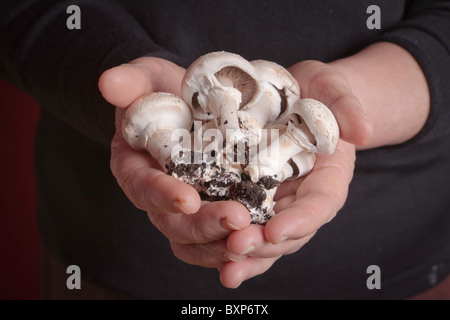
<point x="305" y="204"/>
<point x="197" y="231"/>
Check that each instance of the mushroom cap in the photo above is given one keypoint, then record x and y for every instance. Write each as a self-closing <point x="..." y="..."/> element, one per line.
<point x="159" y="110"/>
<point x="217" y="69"/>
<point x="283" y="82"/>
<point x="321" y="123"/>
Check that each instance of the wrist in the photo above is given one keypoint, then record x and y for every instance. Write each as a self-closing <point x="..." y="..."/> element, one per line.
<point x="392" y="90"/>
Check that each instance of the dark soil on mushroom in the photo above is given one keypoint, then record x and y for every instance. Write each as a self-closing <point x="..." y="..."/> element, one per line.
<point x="251" y="195"/>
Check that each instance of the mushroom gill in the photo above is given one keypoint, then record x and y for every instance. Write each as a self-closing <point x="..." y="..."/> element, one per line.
<point x="234" y="77"/>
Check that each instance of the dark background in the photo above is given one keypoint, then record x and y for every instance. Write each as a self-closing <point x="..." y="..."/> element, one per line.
<point x="19" y="237"/>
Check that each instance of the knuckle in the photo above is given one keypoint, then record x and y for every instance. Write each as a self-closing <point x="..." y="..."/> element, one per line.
<point x="327" y="84"/>
<point x="312" y="64"/>
<point x="179" y="251"/>
<point x="171" y="227"/>
<point x="125" y="183"/>
<point x="206" y="232"/>
<point x="201" y="255"/>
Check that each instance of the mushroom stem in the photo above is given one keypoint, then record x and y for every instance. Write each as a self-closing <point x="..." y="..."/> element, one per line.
<point x="263" y="111"/>
<point x="271" y="160"/>
<point x="224" y="105"/>
<point x="164" y="145"/>
<point x="300" y="164"/>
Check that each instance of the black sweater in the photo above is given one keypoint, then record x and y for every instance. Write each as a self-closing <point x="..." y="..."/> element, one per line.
<point x="397" y="215"/>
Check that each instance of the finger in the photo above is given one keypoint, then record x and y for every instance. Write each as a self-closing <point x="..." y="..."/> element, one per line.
<point x="232" y="274"/>
<point x="214" y="221"/>
<point x="319" y="197"/>
<point x="165" y="75"/>
<point x="152" y="190"/>
<point x="287" y="188"/>
<point x="354" y="125"/>
<point x="324" y="83"/>
<point x="251" y="241"/>
<point x="146" y="185"/>
<point x="123" y="84"/>
<point x="284" y="202"/>
<point x="209" y="255"/>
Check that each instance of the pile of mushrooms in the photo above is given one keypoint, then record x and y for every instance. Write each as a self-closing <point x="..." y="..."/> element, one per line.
<point x="238" y="131"/>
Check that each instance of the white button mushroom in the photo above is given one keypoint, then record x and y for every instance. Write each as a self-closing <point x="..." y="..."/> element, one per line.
<point x="277" y="91"/>
<point x="271" y="161"/>
<point x="320" y="132"/>
<point x="151" y="122"/>
<point x="239" y="95"/>
<point x="216" y="86"/>
<point x="312" y="128"/>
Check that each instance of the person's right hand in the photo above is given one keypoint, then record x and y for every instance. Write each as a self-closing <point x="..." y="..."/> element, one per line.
<point x="197" y="230"/>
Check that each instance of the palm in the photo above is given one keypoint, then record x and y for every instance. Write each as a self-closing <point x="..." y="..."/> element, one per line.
<point x="319" y="194"/>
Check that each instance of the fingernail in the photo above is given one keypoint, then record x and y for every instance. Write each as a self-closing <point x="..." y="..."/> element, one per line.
<point x="182" y="206"/>
<point x="228" y="225"/>
<point x="249" y="250"/>
<point x="284" y="238"/>
<point x="234" y="257"/>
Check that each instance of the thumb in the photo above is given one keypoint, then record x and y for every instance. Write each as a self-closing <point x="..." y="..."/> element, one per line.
<point x="323" y="82"/>
<point x="123" y="84"/>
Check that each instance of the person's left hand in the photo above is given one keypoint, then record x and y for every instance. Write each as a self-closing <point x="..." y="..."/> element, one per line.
<point x="305" y="204"/>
